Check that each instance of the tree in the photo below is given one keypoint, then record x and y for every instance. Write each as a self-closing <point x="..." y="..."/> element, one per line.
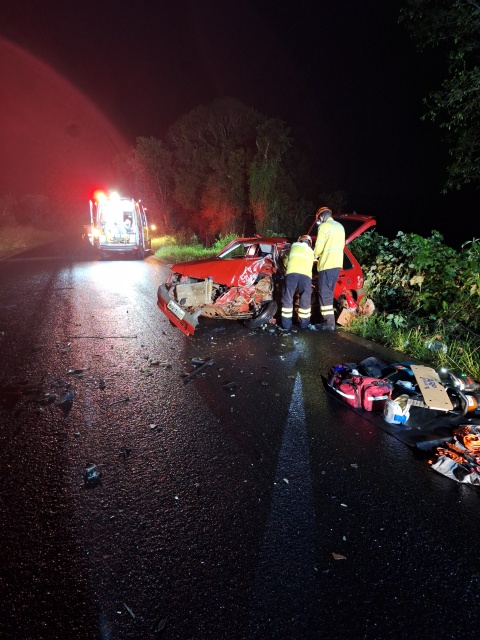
<point x="151" y="162"/>
<point x="454" y="27"/>
<point x="213" y="146"/>
<point x="267" y="198"/>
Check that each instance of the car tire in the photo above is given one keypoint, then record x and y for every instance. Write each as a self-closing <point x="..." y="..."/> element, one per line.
<point x="267" y="312"/>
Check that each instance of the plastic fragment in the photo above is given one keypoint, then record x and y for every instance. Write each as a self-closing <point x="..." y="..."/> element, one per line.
<point x="66" y="402"/>
<point x="129" y="610"/>
<point x="160" y="625"/>
<point x="92" y="475"/>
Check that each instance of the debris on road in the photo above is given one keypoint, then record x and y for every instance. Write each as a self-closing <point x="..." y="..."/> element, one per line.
<point x="91" y="475"/>
<point x="129" y="611"/>
<point x="159" y="625"/>
<point x="50" y="397"/>
<point x="66" y="402"/>
<point x="127" y="399"/>
<point x="338" y="556"/>
<point x="124" y="453"/>
<point x="73" y="372"/>
<point x="230" y="386"/>
<point x="204" y="365"/>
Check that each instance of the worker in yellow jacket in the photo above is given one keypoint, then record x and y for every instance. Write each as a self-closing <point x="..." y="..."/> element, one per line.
<point x="329" y="254"/>
<point x="298" y="277"/>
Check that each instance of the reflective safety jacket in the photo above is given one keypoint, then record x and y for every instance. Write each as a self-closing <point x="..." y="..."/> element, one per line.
<point x="329" y="245"/>
<point x="300" y="259"/>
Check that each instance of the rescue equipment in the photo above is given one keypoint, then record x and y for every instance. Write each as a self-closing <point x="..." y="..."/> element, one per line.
<point x="360" y="392"/>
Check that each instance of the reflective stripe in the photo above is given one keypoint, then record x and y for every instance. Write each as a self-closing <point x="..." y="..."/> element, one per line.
<point x="304" y="313"/>
<point x="300" y="259"/>
<point x="345" y="395"/>
<point x="372" y="398"/>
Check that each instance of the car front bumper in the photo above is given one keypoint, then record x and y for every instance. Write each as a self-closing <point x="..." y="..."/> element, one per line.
<point x="185" y="321"/>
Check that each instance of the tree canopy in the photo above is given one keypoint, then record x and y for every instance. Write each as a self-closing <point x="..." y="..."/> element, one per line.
<point x="224" y="168"/>
<point x="453" y="26"/>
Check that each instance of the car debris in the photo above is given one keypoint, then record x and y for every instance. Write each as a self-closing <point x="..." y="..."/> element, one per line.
<point x="91" y="476"/>
<point x="159" y="625"/>
<point x="122" y="400"/>
<point x="66" y="402"/>
<point x="129" y="611"/>
<point x="202" y="367"/>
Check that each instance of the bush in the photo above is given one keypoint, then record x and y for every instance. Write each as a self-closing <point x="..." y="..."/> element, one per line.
<point x="425" y="293"/>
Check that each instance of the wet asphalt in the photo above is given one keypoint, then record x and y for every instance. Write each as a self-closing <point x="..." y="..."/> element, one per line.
<point x="244" y="503"/>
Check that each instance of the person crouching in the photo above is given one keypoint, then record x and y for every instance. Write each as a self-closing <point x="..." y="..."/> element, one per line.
<point x="298" y="278"/>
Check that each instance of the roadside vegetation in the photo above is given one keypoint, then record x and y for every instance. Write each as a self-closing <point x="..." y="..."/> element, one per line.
<point x="427" y="298"/>
<point x="21" y="237"/>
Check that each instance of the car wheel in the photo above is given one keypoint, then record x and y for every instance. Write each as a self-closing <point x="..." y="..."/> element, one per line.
<point x="267" y="312"/>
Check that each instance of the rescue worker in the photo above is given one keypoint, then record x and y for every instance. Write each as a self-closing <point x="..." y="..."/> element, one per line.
<point x="328" y="252"/>
<point x="298" y="277"/>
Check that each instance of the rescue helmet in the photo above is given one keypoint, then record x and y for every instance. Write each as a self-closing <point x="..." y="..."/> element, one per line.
<point x="306" y="239"/>
<point x="322" y="214"/>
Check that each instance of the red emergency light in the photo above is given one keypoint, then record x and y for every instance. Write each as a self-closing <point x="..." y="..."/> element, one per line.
<point x="99" y="195"/>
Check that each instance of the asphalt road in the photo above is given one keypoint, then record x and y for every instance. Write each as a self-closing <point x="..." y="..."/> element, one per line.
<point x="222" y="502"/>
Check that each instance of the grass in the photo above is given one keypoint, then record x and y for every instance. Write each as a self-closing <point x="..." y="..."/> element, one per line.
<point x="462" y="356"/>
<point x="173" y="249"/>
<point x="182" y="253"/>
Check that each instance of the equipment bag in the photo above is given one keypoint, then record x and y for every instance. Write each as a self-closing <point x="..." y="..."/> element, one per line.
<point x="360" y="392"/>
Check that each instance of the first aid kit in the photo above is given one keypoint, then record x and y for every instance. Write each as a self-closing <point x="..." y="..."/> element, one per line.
<point x="360" y="392"/>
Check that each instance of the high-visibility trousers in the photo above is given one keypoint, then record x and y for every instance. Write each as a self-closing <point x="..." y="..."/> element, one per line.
<point x="302" y="283"/>
<point x="327" y="279"/>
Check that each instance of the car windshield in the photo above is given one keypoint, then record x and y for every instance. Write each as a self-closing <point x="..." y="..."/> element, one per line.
<point x="238" y="250"/>
<point x="248" y="250"/>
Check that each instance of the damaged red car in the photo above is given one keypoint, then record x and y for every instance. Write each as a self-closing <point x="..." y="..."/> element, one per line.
<point x="244" y="281"/>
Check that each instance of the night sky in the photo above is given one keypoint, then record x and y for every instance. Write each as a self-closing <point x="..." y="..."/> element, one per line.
<point x="343" y="70"/>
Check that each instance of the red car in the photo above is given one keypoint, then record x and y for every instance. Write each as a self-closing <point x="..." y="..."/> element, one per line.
<point x="243" y="281"/>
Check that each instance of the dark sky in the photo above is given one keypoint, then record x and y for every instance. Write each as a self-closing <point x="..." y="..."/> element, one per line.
<point x="344" y="70"/>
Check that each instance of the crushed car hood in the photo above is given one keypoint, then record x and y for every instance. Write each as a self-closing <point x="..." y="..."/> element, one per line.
<point x="230" y="272"/>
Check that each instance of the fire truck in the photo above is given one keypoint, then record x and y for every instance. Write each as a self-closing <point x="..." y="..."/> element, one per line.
<point x="118" y="225"/>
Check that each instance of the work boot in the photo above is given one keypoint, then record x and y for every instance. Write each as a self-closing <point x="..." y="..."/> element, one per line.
<point x="325" y="327"/>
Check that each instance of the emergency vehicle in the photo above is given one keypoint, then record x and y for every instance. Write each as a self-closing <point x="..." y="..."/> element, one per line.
<point x="118" y="225"/>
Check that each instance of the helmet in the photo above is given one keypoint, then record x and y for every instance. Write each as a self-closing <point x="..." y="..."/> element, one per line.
<point x="306" y="239"/>
<point x="322" y="214"/>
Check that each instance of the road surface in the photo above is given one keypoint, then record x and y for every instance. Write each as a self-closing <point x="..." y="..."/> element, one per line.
<point x="244" y="503"/>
